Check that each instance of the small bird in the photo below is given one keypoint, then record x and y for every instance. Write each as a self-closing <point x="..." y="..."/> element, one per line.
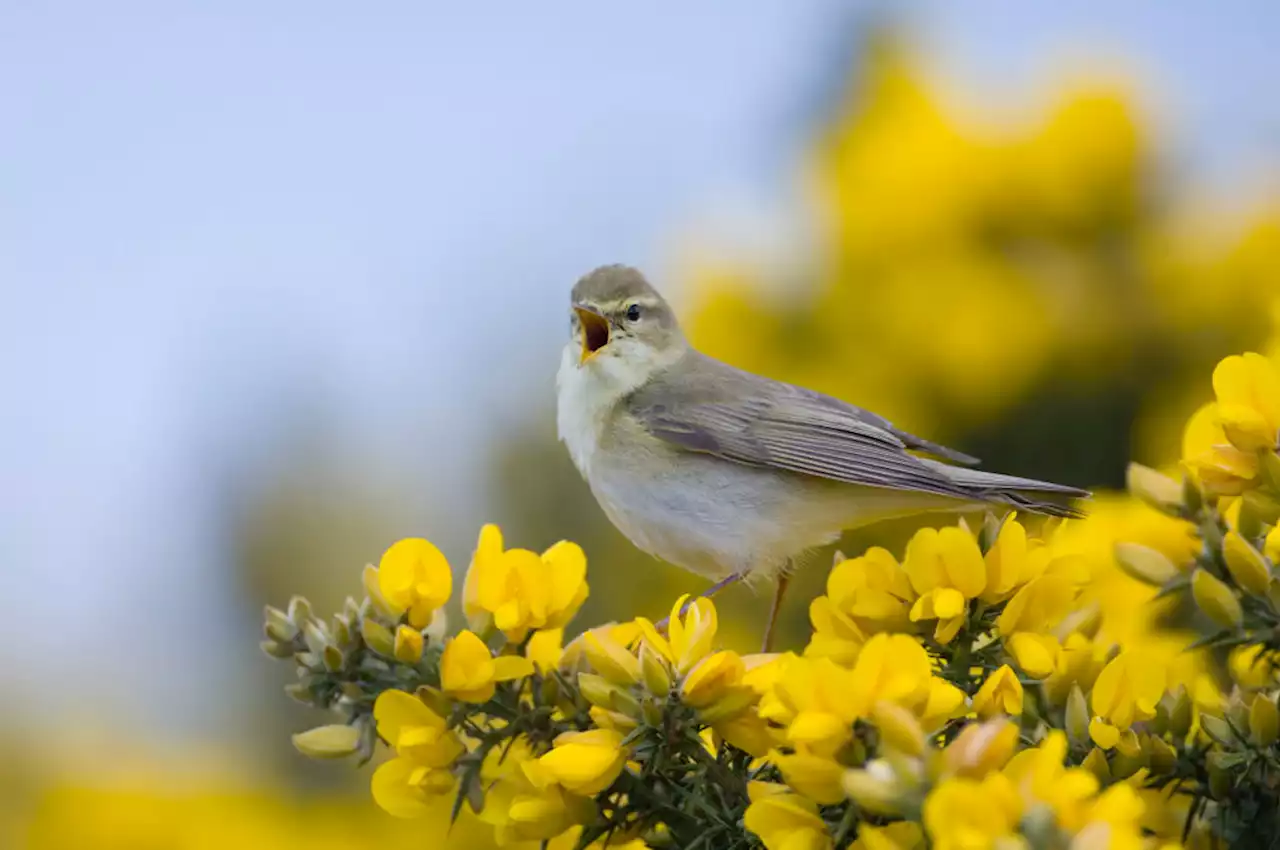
<point x="732" y="475"/>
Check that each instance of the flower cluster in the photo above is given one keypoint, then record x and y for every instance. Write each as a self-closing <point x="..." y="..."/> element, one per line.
<point x="983" y="689"/>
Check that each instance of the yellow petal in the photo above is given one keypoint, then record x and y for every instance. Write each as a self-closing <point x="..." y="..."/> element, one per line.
<point x="508" y="667"/>
<point x="392" y="791"/>
<point x="962" y="562"/>
<point x="467" y="668"/>
<point x="395" y="711"/>
<point x="1036" y="655"/>
<point x="544" y="649"/>
<point x="1103" y="734"/>
<point x="567" y="567"/>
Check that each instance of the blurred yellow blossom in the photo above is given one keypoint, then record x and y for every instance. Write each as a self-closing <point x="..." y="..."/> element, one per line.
<point x="785" y="821"/>
<point x="961" y="814"/>
<point x="425" y="748"/>
<point x="1126" y="691"/>
<point x="1001" y="693"/>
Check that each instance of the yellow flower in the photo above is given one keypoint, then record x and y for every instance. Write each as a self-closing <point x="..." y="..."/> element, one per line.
<point x="425" y="750"/>
<point x="963" y="814"/>
<point x="611" y="659"/>
<point x="1042" y="778"/>
<point x="1248" y="391"/>
<point x="1223" y="469"/>
<point x="749" y="732"/>
<point x="521" y="810"/>
<point x="816" y="777"/>
<point x="946" y="569"/>
<point x="713" y="679"/>
<point x="1125" y="692"/>
<point x="872" y="590"/>
<point x="544" y="649"/>
<point x="469" y="672"/>
<point x="689" y="636"/>
<point x="784" y="821"/>
<point x="1006" y="561"/>
<point x="517" y="590"/>
<point x="981" y="748"/>
<point x="584" y="763"/>
<point x="1035" y="654"/>
<point x="817" y="701"/>
<point x="414" y="577"/>
<point x="1271" y="548"/>
<point x="1079" y="662"/>
<point x="1001" y="693"/>
<point x="408" y="645"/>
<point x="903" y="835"/>
<point x="1253" y="667"/>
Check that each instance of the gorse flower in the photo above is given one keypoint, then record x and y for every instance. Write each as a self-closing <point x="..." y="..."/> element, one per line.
<point x="469" y="672"/>
<point x="415" y="578"/>
<point x="515" y="590"/>
<point x="425" y="751"/>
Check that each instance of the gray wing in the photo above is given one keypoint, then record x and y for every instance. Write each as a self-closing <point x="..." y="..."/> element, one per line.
<point x="719" y="410"/>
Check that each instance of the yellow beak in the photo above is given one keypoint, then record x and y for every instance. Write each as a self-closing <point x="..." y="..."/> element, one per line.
<point x="595" y="332"/>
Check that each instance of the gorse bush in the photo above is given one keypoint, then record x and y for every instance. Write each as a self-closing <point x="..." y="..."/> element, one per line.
<point x="1102" y="683"/>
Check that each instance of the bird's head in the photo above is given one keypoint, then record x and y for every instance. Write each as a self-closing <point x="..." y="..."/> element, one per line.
<point x="621" y="324"/>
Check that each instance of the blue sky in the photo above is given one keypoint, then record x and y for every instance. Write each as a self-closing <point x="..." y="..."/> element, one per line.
<point x="219" y="220"/>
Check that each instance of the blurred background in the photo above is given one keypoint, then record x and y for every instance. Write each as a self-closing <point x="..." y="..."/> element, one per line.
<point x="282" y="283"/>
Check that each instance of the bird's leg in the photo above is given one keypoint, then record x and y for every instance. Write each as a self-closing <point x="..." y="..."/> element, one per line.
<point x="711" y="591"/>
<point x="783" y="581"/>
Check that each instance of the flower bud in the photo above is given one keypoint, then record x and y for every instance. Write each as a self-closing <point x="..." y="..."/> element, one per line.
<point x="328" y="742"/>
<point x="1154" y="488"/>
<point x="1192" y="495"/>
<point x="1271" y="470"/>
<point x="874" y="788"/>
<point x="1246" y="564"/>
<point x="1216" y="600"/>
<point x="1126" y="764"/>
<point x="1145" y="564"/>
<point x="1220" y="768"/>
<point x="299" y="611"/>
<point x="372" y="590"/>
<point x="1096" y="763"/>
<point x="408" y="645"/>
<point x="276" y="650"/>
<point x="300" y="692"/>
<point x="654" y="671"/>
<point x="1180" y="714"/>
<point x="1264" y="721"/>
<point x="733" y="702"/>
<point x="599" y="691"/>
<point x="278" y="626"/>
<point x="341" y="630"/>
<point x="1217" y="729"/>
<point x="377" y="637"/>
<point x="317" y="637"/>
<point x="333" y="659"/>
<point x="898" y="727"/>
<point x="1077" y="719"/>
<point x="1163" y="757"/>
<point x="435" y="699"/>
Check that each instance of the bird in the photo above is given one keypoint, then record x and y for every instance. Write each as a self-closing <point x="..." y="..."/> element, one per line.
<point x="731" y="475"/>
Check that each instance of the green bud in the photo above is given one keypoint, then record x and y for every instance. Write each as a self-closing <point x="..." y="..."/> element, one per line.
<point x="435" y="699"/>
<point x="652" y="711"/>
<point x="1220" y="767"/>
<point x="1077" y="719"/>
<point x="1264" y="721"/>
<point x="328" y="742"/>
<point x="278" y="626"/>
<point x="654" y="671"/>
<point x="731" y="704"/>
<point x="1216" y="600"/>
<point x="1163" y="757"/>
<point x="1271" y="471"/>
<point x="1124" y="765"/>
<point x="377" y="637"/>
<point x="1096" y="763"/>
<point x="1192" y="495"/>
<point x="300" y="692"/>
<point x="1180" y="713"/>
<point x="351" y="610"/>
<point x="1237" y="711"/>
<point x="1217" y="729"/>
<point x="1154" y="488"/>
<point x="299" y="611"/>
<point x="1145" y="564"/>
<point x="373" y="591"/>
<point x="1247" y="565"/>
<point x="276" y="650"/>
<point x="332" y="658"/>
<point x="341" y="630"/>
<point x="317" y="636"/>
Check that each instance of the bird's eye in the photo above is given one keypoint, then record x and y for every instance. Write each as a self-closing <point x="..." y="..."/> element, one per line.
<point x="633" y="313"/>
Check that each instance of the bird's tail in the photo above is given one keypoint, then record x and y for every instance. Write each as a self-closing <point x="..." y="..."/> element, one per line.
<point x="1025" y="494"/>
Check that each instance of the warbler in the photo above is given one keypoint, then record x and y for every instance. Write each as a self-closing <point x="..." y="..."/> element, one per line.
<point x="733" y="475"/>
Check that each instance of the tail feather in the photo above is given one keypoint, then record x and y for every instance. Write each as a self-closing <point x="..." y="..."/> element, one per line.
<point x="1028" y="494"/>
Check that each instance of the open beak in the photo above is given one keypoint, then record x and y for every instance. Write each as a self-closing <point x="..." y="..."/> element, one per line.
<point x="595" y="332"/>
